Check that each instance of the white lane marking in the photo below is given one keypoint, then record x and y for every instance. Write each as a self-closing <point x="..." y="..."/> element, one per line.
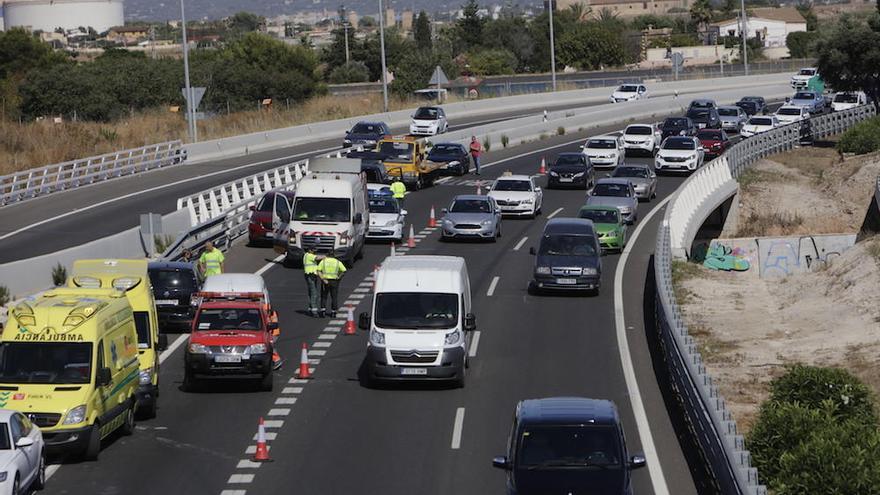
<point x="322" y="345"/>
<point x="357" y="296"/>
<point x="269" y="265"/>
<point x="520" y="243"/>
<point x="248" y="464"/>
<point x="419" y="237"/>
<point x="332" y="329"/>
<point x="444" y="179"/>
<point x="362" y="289"/>
<point x="555" y="212"/>
<point x="252" y="449"/>
<point x="241" y="478"/>
<point x="292" y="390"/>
<point x="475" y="342"/>
<point x="314" y="362"/>
<point x="270" y="435"/>
<point x="171" y="348"/>
<point x="492" y="286"/>
<point x="337" y="322"/>
<point x="328" y="336"/>
<point x="285" y="401"/>
<point x="233" y="492"/>
<point x="51" y="469"/>
<point x="351" y="302"/>
<point x="522" y="155"/>
<point x="281" y="411"/>
<point x="457" y="427"/>
<point x="273" y="423"/>
<point x="632" y="385"/>
<point x="298" y="381"/>
<point x="157" y="188"/>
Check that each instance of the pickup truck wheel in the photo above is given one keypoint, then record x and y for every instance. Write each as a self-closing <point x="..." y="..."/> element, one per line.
<point x="93" y="448"/>
<point x="267" y="382"/>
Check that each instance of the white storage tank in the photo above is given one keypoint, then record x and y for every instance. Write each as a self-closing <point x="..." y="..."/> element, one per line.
<point x="48" y="15"/>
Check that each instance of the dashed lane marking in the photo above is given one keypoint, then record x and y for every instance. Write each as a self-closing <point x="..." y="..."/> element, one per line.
<point x="292" y="390"/>
<point x="247" y="464"/>
<point x="273" y="423"/>
<point x="457" y="427"/>
<point x="328" y="336"/>
<point x="475" y="342"/>
<point x="285" y="401"/>
<point x="233" y="492"/>
<point x="555" y="212"/>
<point x="270" y="435"/>
<point x="322" y="345"/>
<point x="520" y="243"/>
<point x="279" y="412"/>
<point x="241" y="478"/>
<point x="492" y="286"/>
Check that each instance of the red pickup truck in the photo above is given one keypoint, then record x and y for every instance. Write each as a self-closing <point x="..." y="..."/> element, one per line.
<point x="232" y="336"/>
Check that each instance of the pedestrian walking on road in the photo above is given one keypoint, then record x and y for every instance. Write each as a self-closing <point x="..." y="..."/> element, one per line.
<point x="330" y="271"/>
<point x="211" y="261"/>
<point x="476" y="150"/>
<point x="398" y="190"/>
<point x="310" y="270"/>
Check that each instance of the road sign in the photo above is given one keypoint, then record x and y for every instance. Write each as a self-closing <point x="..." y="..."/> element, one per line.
<point x="198" y="93"/>
<point x="439" y="77"/>
<point x="677" y="59"/>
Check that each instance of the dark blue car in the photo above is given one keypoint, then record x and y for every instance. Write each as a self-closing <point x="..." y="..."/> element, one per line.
<point x="455" y="156"/>
<point x="366" y="134"/>
<point x="568" y="258"/>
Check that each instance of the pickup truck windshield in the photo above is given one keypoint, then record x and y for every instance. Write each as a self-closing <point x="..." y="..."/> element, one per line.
<point x="45" y="362"/>
<point x="322" y="210"/>
<point x="229" y="319"/>
<point x="397" y="152"/>
<point x="416" y="310"/>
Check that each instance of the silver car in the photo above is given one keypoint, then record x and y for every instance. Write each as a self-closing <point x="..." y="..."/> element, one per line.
<point x="733" y="118"/>
<point x="616" y="192"/>
<point x="471" y="216"/>
<point x="642" y="177"/>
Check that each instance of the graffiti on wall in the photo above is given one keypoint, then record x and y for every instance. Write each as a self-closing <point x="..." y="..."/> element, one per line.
<point x="776" y="257"/>
<point x="781" y="258"/>
<point x="721" y="257"/>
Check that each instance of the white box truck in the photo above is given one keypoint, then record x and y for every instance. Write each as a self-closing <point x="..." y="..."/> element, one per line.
<point x="422" y="321"/>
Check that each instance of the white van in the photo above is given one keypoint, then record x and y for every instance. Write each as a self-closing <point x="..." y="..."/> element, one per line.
<point x="329" y="211"/>
<point x="237" y="283"/>
<point x="422" y="320"/>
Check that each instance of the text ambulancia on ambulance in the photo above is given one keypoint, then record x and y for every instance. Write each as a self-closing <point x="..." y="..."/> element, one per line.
<point x="69" y="362"/>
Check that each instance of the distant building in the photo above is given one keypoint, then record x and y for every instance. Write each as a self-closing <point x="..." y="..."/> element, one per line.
<point x="406" y="20"/>
<point x="627" y="8"/>
<point x="353" y="18"/>
<point x="49" y="15"/>
<point x="128" y="35"/>
<point x="390" y="18"/>
<point x="770" y="25"/>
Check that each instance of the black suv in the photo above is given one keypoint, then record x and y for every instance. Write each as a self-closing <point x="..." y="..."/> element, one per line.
<point x="366" y="134"/>
<point x="705" y="118"/>
<point x="571" y="170"/>
<point x="455" y="156"/>
<point x="567" y="445"/>
<point x="174" y="284"/>
<point x="568" y="257"/>
<point x="678" y="126"/>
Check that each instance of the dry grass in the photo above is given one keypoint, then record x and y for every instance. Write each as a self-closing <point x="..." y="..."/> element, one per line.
<point x="761" y="224"/>
<point x="24" y="146"/>
<point x="682" y="271"/>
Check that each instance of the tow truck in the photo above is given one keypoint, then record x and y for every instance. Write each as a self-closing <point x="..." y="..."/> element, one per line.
<point x="232" y="336"/>
<point x="404" y="157"/>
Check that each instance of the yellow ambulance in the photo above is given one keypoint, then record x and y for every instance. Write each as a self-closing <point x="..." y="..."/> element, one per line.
<point x="131" y="277"/>
<point x="69" y="362"/>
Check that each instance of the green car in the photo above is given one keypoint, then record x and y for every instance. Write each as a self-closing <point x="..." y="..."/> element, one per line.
<point x="610" y="226"/>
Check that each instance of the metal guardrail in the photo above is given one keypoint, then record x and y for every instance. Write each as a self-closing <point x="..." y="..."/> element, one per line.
<point x="29" y="184"/>
<point x="710" y="422"/>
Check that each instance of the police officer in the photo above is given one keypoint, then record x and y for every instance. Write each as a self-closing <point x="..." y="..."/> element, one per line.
<point x="211" y="261"/>
<point x="330" y="271"/>
<point x="310" y="270"/>
<point x="398" y="190"/>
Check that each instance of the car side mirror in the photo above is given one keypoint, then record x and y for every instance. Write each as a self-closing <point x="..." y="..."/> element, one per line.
<point x="444" y="210"/>
<point x="532" y="251"/>
<point x="252" y="207"/>
<point x="24" y="442"/>
<point x="272" y="325"/>
<point x="583" y="146"/>
<point x="162" y="342"/>
<point x="637" y="461"/>
<point x="103" y="377"/>
<point x="403" y="212"/>
<point x="364" y="321"/>
<point x="358" y="218"/>
<point x="608" y="175"/>
<point x="538" y="189"/>
<point x="470" y="322"/>
<point x="501" y="462"/>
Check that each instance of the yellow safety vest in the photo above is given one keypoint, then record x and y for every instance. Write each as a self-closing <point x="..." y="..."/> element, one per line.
<point x="398" y="189"/>
<point x="310" y="264"/>
<point x="331" y="268"/>
<point x="212" y="261"/>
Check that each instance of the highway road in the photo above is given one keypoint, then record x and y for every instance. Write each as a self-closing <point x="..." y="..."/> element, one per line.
<point x="330" y="435"/>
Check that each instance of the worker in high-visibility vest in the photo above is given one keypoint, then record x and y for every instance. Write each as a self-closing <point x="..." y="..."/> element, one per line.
<point x="330" y="271"/>
<point x="310" y="270"/>
<point x="277" y="361"/>
<point x="398" y="190"/>
<point x="211" y="261"/>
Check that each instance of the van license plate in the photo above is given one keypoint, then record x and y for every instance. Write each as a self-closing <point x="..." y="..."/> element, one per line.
<point x="166" y="302"/>
<point x="414" y="371"/>
<point x="227" y="359"/>
<point x="566" y="281"/>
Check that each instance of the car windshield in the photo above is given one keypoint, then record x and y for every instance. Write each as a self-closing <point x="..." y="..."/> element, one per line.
<point x="679" y="144"/>
<point x="172" y="279"/>
<point x="678" y="123"/>
<point x="611" y="189"/>
<point x="760" y="121"/>
<point x="397" y="151"/>
<point x="569" y="160"/>
<point x="389" y="205"/>
<point x="427" y="113"/>
<point x="45" y="362"/>
<point x="568" y="446"/>
<point x="363" y="128"/>
<point x="807" y="72"/>
<point x="322" y="210"/>
<point x="638" y="172"/>
<point x="702" y="104"/>
<point x="698" y="113"/>
<point x="469" y="206"/>
<point x="639" y="130"/>
<point x="709" y="135"/>
<point x="728" y="112"/>
<point x="803" y="95"/>
<point x="789" y="111"/>
<point x="601" y="144"/>
<point x="628" y="88"/>
<point x="4" y="437"/>
<point x="748" y="106"/>
<point x="266" y="203"/>
<point x="512" y="185"/>
<point x="416" y="310"/>
<point x="229" y="319"/>
<point x="567" y="245"/>
<point x="600" y="216"/>
<point x="444" y="149"/>
<point x="846" y="98"/>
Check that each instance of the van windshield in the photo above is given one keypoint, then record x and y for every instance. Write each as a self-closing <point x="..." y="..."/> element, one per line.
<point x="45" y="362"/>
<point x="568" y="245"/>
<point x="172" y="279"/>
<point x="322" y="210"/>
<point x="416" y="310"/>
<point x="229" y="319"/>
<point x="569" y="446"/>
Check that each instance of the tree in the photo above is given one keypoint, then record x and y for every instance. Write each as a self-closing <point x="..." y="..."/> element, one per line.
<point x="799" y="43"/>
<point x="510" y="33"/>
<point x="470" y="26"/>
<point x="367" y="22"/>
<point x="590" y="47"/>
<point x="849" y="54"/>
<point x="492" y="62"/>
<point x="21" y="52"/>
<point x="413" y="69"/>
<point x="805" y="7"/>
<point x="352" y="72"/>
<point x="422" y="32"/>
<point x="728" y="9"/>
<point x="580" y="11"/>
<point x="245" y="22"/>
<point x="701" y="14"/>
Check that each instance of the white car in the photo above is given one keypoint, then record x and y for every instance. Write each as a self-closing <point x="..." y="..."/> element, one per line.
<point x="604" y="151"/>
<point x="428" y="121"/>
<point x="802" y="78"/>
<point x="386" y="217"/>
<point x="22" y="454"/>
<point x="758" y="124"/>
<point x="684" y="153"/>
<point x="517" y="195"/>
<point x="788" y="114"/>
<point x="629" y="92"/>
<point x="643" y="138"/>
<point x="845" y="101"/>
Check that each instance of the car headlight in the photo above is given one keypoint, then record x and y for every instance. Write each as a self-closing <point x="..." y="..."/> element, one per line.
<point x="527" y="201"/>
<point x="626" y="210"/>
<point x="2" y="476"/>
<point x="486" y="223"/>
<point x="579" y="174"/>
<point x="553" y="174"/>
<point x="257" y="349"/>
<point x="447" y="222"/>
<point x="76" y="415"/>
<point x="391" y="223"/>
<point x="589" y="271"/>
<point x="195" y="348"/>
<point x="145" y="377"/>
<point x="343" y="241"/>
<point x="543" y="270"/>
<point x="377" y="338"/>
<point x="454" y="163"/>
<point x="453" y="338"/>
<point x="346" y="141"/>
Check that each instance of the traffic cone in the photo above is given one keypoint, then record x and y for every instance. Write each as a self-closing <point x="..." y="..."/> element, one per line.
<point x="432" y="220"/>
<point x="411" y="242"/>
<point x="375" y="272"/>
<point x="543" y="169"/>
<point x="349" y="322"/>
<point x="262" y="453"/>
<point x="304" y="363"/>
<point x="393" y="253"/>
<point x="479" y="188"/>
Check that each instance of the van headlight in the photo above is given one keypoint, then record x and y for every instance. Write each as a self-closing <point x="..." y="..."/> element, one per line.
<point x="391" y="223"/>
<point x="377" y="338"/>
<point x="543" y="270"/>
<point x="453" y="338"/>
<point x="257" y="349"/>
<point x="589" y="271"/>
<point x="195" y="348"/>
<point x="2" y="476"/>
<point x="145" y="377"/>
<point x="76" y="415"/>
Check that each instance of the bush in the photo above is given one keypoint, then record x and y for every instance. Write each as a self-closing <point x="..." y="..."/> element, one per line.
<point x="504" y="140"/>
<point x="492" y="62"/>
<point x="487" y="144"/>
<point x="814" y="387"/>
<point x="560" y="131"/>
<point x="4" y="295"/>
<point x="59" y="275"/>
<point x="800" y="43"/>
<point x="779" y="427"/>
<point x="352" y="72"/>
<point x="862" y="138"/>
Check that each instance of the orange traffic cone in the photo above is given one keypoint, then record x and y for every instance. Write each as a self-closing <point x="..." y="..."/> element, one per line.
<point x="393" y="253"/>
<point x="543" y="169"/>
<point x="349" y="322"/>
<point x="432" y="220"/>
<point x="262" y="453"/>
<point x="479" y="188"/>
<point x="411" y="242"/>
<point x="304" y="363"/>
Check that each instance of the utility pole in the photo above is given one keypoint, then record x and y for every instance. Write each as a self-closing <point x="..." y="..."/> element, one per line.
<point x="553" y="46"/>
<point x="190" y="97"/>
<point x="382" y="48"/>
<point x="347" y="55"/>
<point x="744" y="28"/>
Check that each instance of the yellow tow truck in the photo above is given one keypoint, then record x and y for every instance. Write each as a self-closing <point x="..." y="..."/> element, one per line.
<point x="404" y="157"/>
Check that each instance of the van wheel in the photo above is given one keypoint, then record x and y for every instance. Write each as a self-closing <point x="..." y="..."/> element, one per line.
<point x="127" y="427"/>
<point x="459" y="382"/>
<point x="40" y="481"/>
<point x="190" y="384"/>
<point x="148" y="411"/>
<point x="93" y="448"/>
<point x="267" y="382"/>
